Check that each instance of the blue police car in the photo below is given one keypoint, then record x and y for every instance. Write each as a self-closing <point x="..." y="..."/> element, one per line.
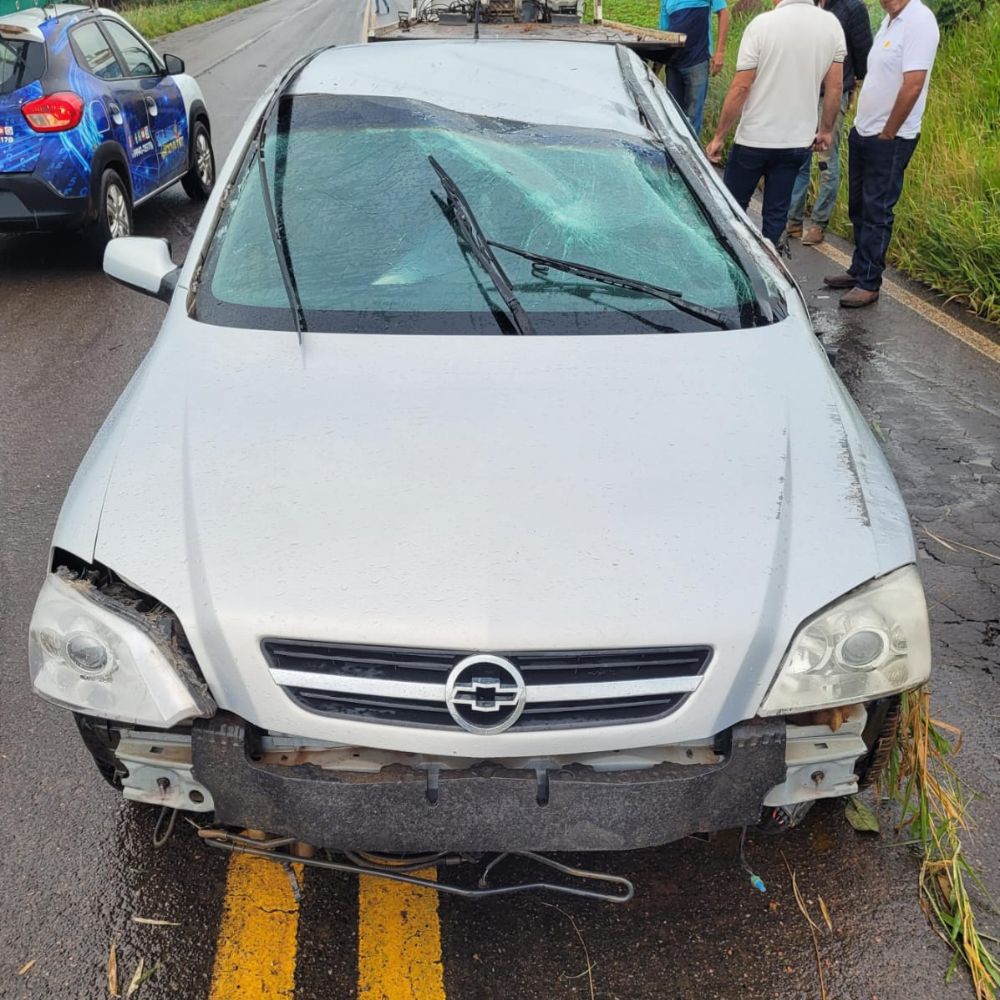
<point x="92" y="121"/>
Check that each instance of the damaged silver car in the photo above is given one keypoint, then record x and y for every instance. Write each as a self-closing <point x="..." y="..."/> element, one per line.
<point x="486" y="489"/>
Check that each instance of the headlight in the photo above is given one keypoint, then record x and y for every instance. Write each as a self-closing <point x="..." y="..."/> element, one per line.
<point x="85" y="655"/>
<point x="874" y="642"/>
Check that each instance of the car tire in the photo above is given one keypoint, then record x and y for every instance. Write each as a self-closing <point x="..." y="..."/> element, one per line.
<point x="114" y="211"/>
<point x="200" y="179"/>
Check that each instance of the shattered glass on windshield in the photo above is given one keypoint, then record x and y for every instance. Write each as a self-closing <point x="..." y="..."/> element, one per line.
<point x="372" y="249"/>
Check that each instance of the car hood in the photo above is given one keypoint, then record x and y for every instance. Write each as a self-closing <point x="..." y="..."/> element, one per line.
<point x="497" y="493"/>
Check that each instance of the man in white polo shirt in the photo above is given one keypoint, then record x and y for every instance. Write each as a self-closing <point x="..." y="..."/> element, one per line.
<point x="785" y="55"/>
<point x="882" y="141"/>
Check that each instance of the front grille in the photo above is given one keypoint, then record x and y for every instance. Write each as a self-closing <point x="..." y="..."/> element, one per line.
<point x="563" y="688"/>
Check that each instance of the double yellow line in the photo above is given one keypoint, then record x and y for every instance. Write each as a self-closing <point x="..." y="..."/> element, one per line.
<point x="399" y="936"/>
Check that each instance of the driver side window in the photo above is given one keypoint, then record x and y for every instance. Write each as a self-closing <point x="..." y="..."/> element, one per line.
<point x="139" y="58"/>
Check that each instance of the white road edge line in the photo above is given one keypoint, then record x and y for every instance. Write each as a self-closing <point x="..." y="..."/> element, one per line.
<point x="927" y="310"/>
<point x="930" y="312"/>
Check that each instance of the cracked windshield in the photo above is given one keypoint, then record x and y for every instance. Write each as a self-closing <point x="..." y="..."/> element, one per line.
<point x="397" y="264"/>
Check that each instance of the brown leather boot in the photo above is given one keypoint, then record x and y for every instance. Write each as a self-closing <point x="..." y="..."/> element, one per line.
<point x="793" y="228"/>
<point x="844" y="280"/>
<point x="858" y="297"/>
<point x="812" y="236"/>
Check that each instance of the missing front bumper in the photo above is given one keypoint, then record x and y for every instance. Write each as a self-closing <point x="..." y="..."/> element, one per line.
<point x="487" y="808"/>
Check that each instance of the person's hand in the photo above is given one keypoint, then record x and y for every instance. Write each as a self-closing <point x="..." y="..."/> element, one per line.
<point x="823" y="141"/>
<point x="714" y="150"/>
<point x="715" y="67"/>
<point x="885" y="137"/>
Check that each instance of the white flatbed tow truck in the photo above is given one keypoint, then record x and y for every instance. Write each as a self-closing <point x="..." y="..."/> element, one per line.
<point x="519" y="19"/>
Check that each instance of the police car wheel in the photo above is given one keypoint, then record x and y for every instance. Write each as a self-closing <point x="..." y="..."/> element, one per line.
<point x="200" y="179"/>
<point x="114" y="210"/>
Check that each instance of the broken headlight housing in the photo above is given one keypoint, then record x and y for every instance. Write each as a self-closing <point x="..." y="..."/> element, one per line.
<point x="100" y="656"/>
<point x="871" y="643"/>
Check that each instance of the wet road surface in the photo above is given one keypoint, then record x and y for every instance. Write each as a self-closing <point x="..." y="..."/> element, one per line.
<point x="78" y="864"/>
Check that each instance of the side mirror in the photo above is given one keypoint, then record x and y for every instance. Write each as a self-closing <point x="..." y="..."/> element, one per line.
<point x="174" y="64"/>
<point x="142" y="263"/>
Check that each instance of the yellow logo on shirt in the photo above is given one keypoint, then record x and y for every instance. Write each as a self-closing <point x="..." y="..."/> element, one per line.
<point x="886" y="44"/>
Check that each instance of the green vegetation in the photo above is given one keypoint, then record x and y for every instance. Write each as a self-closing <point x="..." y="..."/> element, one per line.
<point x="160" y="18"/>
<point x="645" y="13"/>
<point x="950" y="12"/>
<point x="947" y="230"/>
<point x="948" y="221"/>
<point x="921" y="779"/>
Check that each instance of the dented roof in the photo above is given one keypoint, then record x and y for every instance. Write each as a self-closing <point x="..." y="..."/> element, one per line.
<point x="544" y="82"/>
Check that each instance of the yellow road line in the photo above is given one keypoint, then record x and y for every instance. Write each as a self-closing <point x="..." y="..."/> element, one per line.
<point x="399" y="941"/>
<point x="255" y="953"/>
<point x="930" y="312"/>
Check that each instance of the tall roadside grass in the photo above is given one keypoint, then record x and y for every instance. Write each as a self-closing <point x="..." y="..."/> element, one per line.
<point x="160" y="18"/>
<point x="644" y="13"/>
<point x="947" y="231"/>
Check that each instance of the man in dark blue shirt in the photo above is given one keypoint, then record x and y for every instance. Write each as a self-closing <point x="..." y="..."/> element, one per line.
<point x="688" y="72"/>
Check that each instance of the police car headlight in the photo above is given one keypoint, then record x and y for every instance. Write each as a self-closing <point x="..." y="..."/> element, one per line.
<point x="86" y="656"/>
<point x="871" y="643"/>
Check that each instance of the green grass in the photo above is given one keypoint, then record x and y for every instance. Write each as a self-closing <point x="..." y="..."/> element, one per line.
<point x="948" y="222"/>
<point x="643" y="13"/>
<point x="947" y="231"/>
<point x="155" y="19"/>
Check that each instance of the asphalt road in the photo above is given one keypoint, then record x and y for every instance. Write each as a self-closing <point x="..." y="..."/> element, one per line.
<point x="78" y="864"/>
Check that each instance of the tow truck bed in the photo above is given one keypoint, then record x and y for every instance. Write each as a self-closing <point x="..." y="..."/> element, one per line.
<point x="658" y="46"/>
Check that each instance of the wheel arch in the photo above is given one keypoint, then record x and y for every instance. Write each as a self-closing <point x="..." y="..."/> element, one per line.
<point x="108" y="154"/>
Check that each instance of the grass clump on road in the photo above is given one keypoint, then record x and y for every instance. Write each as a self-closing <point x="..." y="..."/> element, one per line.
<point x="922" y="780"/>
<point x="155" y="19"/>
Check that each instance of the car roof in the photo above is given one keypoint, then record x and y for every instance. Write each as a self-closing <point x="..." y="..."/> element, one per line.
<point x="542" y="82"/>
<point x="30" y="20"/>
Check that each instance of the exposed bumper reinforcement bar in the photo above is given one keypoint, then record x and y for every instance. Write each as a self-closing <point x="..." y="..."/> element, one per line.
<point x="486" y="808"/>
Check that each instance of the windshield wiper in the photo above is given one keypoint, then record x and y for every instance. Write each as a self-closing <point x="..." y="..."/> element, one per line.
<point x="675" y="298"/>
<point x="469" y="229"/>
<point x="696" y="173"/>
<point x="276" y="226"/>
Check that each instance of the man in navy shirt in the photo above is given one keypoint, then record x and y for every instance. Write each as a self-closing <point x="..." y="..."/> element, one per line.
<point x="687" y="74"/>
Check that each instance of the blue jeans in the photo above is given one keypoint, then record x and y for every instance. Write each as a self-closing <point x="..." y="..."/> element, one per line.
<point x="779" y="167"/>
<point x="689" y="88"/>
<point x="829" y="177"/>
<point x="875" y="184"/>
